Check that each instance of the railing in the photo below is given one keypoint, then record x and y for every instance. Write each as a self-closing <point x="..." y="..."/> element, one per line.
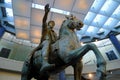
<point x="16" y="66"/>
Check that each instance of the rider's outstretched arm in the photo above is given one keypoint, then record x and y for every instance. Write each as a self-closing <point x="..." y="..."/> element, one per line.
<point x="47" y="9"/>
<point x="44" y="23"/>
<point x="44" y="26"/>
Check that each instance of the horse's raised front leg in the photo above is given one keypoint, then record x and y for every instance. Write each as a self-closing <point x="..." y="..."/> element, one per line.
<point x="78" y="53"/>
<point x="78" y="66"/>
<point x="101" y="63"/>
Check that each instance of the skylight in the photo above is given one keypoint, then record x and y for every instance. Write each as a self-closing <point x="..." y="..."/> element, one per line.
<point x="106" y="5"/>
<point x="103" y="15"/>
<point x="111" y="22"/>
<point x="117" y="24"/>
<point x="101" y="30"/>
<point x="89" y="17"/>
<point x="97" y="5"/>
<point x="91" y="29"/>
<point x="8" y="1"/>
<point x="37" y="6"/>
<point x="109" y="7"/>
<point x="99" y="20"/>
<point x="52" y="9"/>
<point x="60" y="11"/>
<point x="9" y="12"/>
<point x="116" y="13"/>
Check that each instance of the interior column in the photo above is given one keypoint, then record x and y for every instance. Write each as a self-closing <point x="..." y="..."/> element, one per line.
<point x="115" y="42"/>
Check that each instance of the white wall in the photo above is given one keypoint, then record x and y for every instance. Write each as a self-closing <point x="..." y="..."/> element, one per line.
<point x="16" y="66"/>
<point x="103" y="46"/>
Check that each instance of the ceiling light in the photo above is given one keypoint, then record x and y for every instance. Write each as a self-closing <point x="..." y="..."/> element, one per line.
<point x="36" y="17"/>
<point x="96" y="40"/>
<point x="22" y="22"/>
<point x="81" y="43"/>
<point x="21" y="7"/>
<point x="64" y="4"/>
<point x="35" y="40"/>
<point x="35" y="32"/>
<point x="22" y="34"/>
<point x="90" y="75"/>
<point x="82" y="4"/>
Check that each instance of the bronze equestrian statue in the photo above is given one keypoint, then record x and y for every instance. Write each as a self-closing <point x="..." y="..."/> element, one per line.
<point x="65" y="51"/>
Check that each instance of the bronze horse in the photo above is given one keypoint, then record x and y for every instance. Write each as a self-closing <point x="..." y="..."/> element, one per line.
<point x="66" y="51"/>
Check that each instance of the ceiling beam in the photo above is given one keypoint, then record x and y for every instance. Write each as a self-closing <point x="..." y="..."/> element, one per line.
<point x="9" y="19"/>
<point x="1" y="1"/>
<point x="6" y="5"/>
<point x="3" y="11"/>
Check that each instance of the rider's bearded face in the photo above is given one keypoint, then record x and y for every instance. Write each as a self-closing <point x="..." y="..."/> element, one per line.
<point x="51" y="24"/>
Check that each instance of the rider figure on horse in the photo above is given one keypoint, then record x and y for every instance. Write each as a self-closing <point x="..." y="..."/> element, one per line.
<point x="48" y="37"/>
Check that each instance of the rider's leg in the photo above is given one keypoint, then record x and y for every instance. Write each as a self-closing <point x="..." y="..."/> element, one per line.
<point x="45" y="53"/>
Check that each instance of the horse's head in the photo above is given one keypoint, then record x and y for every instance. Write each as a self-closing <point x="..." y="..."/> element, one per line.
<point x="73" y="22"/>
<point x="69" y="24"/>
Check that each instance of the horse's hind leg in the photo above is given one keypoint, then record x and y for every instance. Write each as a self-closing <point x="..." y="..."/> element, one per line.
<point x="25" y="72"/>
<point x="78" y="70"/>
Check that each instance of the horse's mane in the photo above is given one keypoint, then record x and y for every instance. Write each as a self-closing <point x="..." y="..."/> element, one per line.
<point x="64" y="28"/>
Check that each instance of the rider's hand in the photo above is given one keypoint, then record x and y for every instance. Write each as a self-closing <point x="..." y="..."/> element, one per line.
<point x="47" y="8"/>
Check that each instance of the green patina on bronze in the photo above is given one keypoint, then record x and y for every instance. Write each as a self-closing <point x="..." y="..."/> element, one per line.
<point x="61" y="52"/>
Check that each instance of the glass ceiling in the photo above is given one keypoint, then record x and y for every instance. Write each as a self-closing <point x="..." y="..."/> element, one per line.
<point x="103" y="16"/>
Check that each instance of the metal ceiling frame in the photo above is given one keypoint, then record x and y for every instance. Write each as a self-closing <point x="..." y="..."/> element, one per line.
<point x="84" y="39"/>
